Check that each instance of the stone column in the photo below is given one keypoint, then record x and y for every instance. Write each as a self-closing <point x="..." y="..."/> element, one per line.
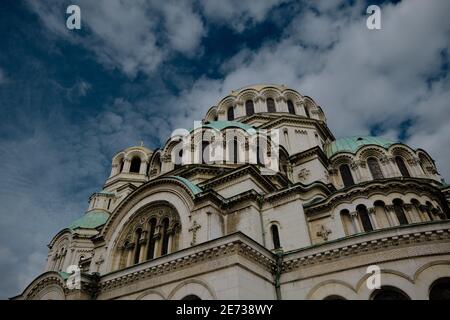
<point x="126" y="165"/>
<point x="424" y="209"/>
<point x="415" y="167"/>
<point x="355" y="220"/>
<point x="158" y="242"/>
<point x="386" y="167"/>
<point x="393" y="221"/>
<point x="395" y="169"/>
<point x="357" y="174"/>
<point x="144" y="244"/>
<point x="143" y="168"/>
<point x="373" y="218"/>
<point x="409" y="213"/>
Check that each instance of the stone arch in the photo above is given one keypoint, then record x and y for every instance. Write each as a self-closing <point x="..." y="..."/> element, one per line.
<point x="151" y="294"/>
<point x="155" y="166"/>
<point x="426" y="163"/>
<point x="136" y="231"/>
<point x="309" y="105"/>
<point x="212" y="114"/>
<point x="271" y="92"/>
<point x="247" y="94"/>
<point x="389" y="278"/>
<point x="428" y="273"/>
<point x="331" y="287"/>
<point x="169" y="191"/>
<point x="118" y="162"/>
<point x="224" y="105"/>
<point x="49" y="285"/>
<point x="195" y="287"/>
<point x="53" y="292"/>
<point x="389" y="293"/>
<point x="60" y="250"/>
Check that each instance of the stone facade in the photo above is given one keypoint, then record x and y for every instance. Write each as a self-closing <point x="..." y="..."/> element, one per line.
<point x="162" y="228"/>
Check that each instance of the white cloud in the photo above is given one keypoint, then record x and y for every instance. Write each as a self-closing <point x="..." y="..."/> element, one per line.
<point x="125" y="34"/>
<point x="239" y="14"/>
<point x="360" y="77"/>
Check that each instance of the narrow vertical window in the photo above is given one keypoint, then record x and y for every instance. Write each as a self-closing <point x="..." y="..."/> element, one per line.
<point x="291" y="108"/>
<point x="402" y="167"/>
<point x="271" y="105"/>
<point x="178" y="159"/>
<point x="165" y="237"/>
<point x="151" y="239"/>
<point x="307" y="112"/>
<point x="137" y="249"/>
<point x="346" y="175"/>
<point x="230" y="114"/>
<point x="375" y="169"/>
<point x="121" y="165"/>
<point x="275" y="237"/>
<point x="235" y="151"/>
<point x="249" y="107"/>
<point x="135" y="166"/>
<point x="364" y="216"/>
<point x="205" y="152"/>
<point x="399" y="212"/>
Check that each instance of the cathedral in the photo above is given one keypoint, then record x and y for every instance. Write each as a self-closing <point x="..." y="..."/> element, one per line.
<point x="258" y="201"/>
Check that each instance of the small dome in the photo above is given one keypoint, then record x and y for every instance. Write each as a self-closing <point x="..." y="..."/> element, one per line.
<point x="90" y="220"/>
<point x="353" y="144"/>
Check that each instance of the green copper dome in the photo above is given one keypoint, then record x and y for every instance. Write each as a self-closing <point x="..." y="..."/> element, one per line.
<point x="192" y="186"/>
<point x="90" y="220"/>
<point x="353" y="144"/>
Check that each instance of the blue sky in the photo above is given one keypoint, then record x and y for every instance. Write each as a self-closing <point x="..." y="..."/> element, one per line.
<point x="69" y="100"/>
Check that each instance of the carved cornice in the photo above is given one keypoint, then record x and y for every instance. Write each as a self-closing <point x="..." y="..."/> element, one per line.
<point x="386" y="186"/>
<point x="248" y="169"/>
<point x="365" y="247"/>
<point x="236" y="247"/>
<point x="314" y="151"/>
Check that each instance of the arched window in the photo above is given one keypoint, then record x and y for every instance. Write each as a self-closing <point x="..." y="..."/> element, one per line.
<point x="375" y="169"/>
<point x="402" y="167"/>
<point x="291" y="108"/>
<point x="429" y="210"/>
<point x="122" y="162"/>
<point x="151" y="239"/>
<point x="165" y="237"/>
<point x="346" y="175"/>
<point x="389" y="293"/>
<point x="275" y="236"/>
<point x="334" y="297"/>
<point x="205" y="152"/>
<point x="249" y="107"/>
<point x="364" y="216"/>
<point x="307" y="112"/>
<point x="271" y="105"/>
<point x="191" y="297"/>
<point x="399" y="212"/>
<point x="135" y="166"/>
<point x="230" y="114"/>
<point x="440" y="289"/>
<point x="347" y="222"/>
<point x="179" y="159"/>
<point x="137" y="248"/>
